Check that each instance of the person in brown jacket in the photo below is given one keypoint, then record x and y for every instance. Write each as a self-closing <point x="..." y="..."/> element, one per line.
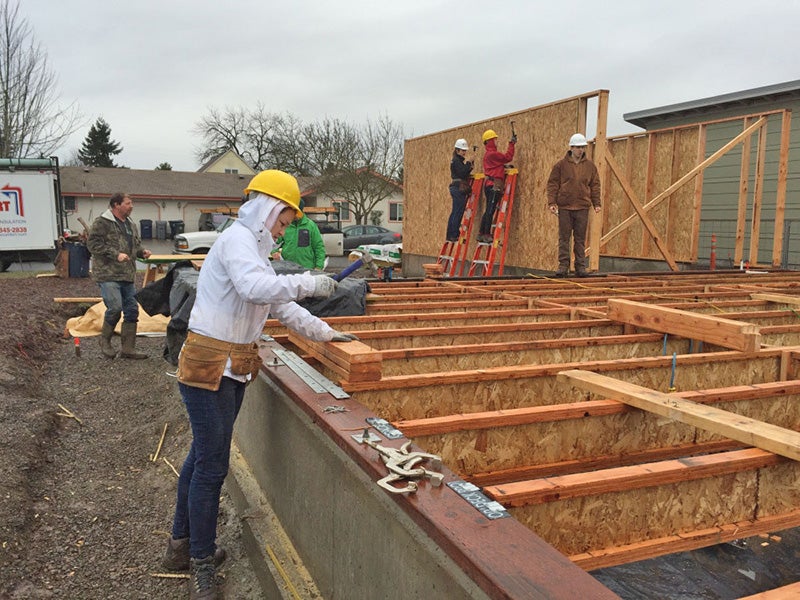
<point x="573" y="188"/>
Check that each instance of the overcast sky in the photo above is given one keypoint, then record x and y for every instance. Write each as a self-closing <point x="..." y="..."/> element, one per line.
<point x="152" y="69"/>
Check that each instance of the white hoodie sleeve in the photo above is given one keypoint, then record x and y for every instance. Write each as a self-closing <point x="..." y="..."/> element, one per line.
<point x="298" y="319"/>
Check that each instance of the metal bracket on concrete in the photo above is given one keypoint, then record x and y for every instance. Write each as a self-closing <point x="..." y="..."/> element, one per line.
<point x="313" y="378"/>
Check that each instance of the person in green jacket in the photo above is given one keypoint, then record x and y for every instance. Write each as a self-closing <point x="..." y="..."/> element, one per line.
<point x="303" y="244"/>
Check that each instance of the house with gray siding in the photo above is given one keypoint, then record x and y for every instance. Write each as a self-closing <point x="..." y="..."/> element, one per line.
<point x="721" y="182"/>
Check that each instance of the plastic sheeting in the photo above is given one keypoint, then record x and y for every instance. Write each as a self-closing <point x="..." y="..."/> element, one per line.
<point x="721" y="572"/>
<point x="174" y="296"/>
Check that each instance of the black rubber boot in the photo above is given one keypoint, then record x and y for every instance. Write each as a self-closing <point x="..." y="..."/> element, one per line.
<point x="129" y="342"/>
<point x="105" y="341"/>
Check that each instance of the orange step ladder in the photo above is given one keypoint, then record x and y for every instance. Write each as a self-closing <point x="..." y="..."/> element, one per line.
<point x="453" y="255"/>
<point x="496" y="249"/>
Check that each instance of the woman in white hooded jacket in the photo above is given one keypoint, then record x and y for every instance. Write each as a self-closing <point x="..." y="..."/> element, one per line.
<point x="236" y="292"/>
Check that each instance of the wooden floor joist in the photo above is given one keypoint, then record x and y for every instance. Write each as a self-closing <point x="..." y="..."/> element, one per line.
<point x="552" y="489"/>
<point x="681" y="542"/>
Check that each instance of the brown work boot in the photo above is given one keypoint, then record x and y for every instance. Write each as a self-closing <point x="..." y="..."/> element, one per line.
<point x="129" y="342"/>
<point x="203" y="581"/>
<point x="105" y="340"/>
<point x="176" y="557"/>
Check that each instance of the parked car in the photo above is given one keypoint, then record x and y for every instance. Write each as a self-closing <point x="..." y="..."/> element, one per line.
<point x="360" y="235"/>
<point x="200" y="242"/>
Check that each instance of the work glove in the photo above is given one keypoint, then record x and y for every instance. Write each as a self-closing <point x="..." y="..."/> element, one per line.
<point x="324" y="286"/>
<point x="514" y="139"/>
<point x="343" y="337"/>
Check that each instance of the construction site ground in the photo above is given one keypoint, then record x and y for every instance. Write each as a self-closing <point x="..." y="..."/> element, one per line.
<point x="85" y="513"/>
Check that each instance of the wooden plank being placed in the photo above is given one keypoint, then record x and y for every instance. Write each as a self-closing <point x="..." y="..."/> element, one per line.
<point x="354" y="361"/>
<point x="722" y="332"/>
<point x="743" y="429"/>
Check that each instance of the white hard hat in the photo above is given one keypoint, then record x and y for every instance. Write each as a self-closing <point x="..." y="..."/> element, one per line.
<point x="578" y="140"/>
<point x="461" y="144"/>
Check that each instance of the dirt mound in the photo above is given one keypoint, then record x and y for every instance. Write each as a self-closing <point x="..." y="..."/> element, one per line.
<point x="85" y="511"/>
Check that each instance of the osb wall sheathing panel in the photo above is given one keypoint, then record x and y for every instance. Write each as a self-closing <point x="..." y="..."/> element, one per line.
<point x="543" y="133"/>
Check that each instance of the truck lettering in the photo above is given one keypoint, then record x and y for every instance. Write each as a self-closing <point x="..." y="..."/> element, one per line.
<point x="15" y="196"/>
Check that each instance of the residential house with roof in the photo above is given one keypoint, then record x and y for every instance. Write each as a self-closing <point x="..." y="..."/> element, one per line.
<point x="746" y="179"/>
<point x="227" y="162"/>
<point x="166" y="196"/>
<point x="174" y="197"/>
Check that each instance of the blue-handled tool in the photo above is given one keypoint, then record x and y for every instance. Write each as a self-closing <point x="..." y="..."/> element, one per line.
<point x="366" y="259"/>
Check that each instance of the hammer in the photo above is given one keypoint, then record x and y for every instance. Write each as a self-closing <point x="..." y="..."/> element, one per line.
<point x="366" y="259"/>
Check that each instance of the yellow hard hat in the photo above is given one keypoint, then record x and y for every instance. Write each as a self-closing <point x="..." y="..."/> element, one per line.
<point x="279" y="185"/>
<point x="489" y="134"/>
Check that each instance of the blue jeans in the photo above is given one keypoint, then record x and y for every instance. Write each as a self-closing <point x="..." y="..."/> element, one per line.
<point x="457" y="212"/>
<point x="119" y="298"/>
<point x="212" y="415"/>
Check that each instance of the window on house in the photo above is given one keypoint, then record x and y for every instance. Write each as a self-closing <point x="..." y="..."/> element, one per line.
<point x="395" y="212"/>
<point x="344" y="210"/>
<point x="69" y="202"/>
<point x="234" y="171"/>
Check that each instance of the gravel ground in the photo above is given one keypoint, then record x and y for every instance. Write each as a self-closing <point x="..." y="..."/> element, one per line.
<point x="85" y="512"/>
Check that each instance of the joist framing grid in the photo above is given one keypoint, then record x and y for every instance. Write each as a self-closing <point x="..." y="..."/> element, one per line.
<point x="484" y="373"/>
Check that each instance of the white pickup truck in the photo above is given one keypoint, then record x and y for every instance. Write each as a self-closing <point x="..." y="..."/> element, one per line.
<point x="200" y="242"/>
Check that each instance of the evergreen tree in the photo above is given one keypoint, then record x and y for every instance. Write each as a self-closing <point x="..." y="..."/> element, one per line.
<point x="164" y="166"/>
<point x="98" y="148"/>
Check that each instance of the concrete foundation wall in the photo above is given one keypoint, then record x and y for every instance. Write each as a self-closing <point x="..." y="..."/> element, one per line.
<point x="351" y="536"/>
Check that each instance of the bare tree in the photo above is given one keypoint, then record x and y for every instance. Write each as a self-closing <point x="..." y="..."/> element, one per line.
<point x="370" y="171"/>
<point x="32" y="123"/>
<point x="360" y="165"/>
<point x="263" y="139"/>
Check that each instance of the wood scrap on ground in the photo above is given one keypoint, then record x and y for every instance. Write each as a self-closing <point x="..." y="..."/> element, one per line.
<point x="68" y="413"/>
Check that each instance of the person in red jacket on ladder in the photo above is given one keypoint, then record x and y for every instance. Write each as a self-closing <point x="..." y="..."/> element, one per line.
<point x="494" y="163"/>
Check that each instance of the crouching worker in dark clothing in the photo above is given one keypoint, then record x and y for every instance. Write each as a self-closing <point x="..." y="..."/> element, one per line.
<point x="236" y="291"/>
<point x="115" y="245"/>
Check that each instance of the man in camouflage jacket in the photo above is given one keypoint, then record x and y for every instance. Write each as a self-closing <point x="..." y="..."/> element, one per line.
<point x="115" y="245"/>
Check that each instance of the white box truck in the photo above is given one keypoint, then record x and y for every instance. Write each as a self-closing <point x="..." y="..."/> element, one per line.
<point x="32" y="217"/>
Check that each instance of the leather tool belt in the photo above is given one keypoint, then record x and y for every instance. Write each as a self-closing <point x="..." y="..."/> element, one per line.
<point x="202" y="361"/>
